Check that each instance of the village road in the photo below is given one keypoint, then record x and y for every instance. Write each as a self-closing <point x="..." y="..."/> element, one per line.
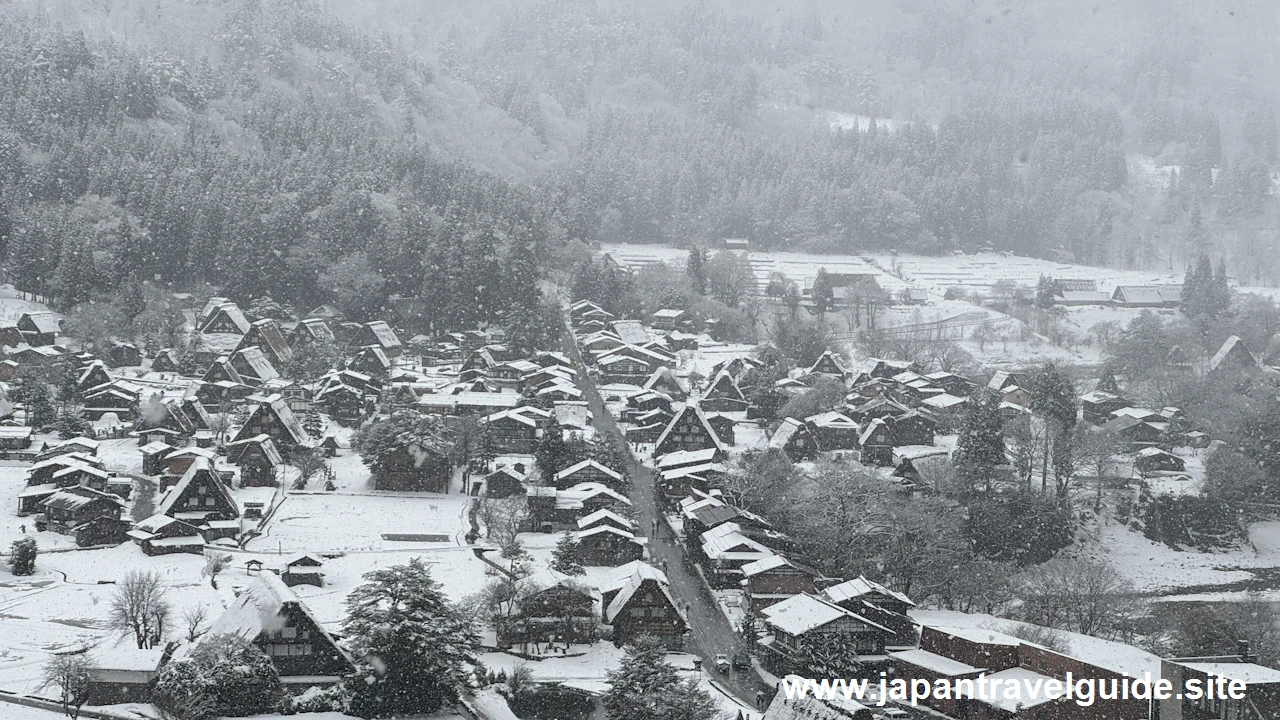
<point x="711" y="631"/>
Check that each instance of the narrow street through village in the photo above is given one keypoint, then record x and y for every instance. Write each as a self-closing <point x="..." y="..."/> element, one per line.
<point x="712" y="633"/>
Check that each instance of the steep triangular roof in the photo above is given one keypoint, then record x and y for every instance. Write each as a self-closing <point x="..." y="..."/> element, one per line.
<point x="724" y="386"/>
<point x="231" y="312"/>
<point x="632" y="585"/>
<point x="870" y="430"/>
<point x="253" y="364"/>
<point x="266" y="334"/>
<point x="789" y="428"/>
<point x="701" y="419"/>
<point x="263" y="607"/>
<point x="274" y="404"/>
<point x="829" y="364"/>
<point x="664" y="380"/>
<point x="200" y="466"/>
<point x="385" y="336"/>
<point x="222" y="369"/>
<point x="1233" y="352"/>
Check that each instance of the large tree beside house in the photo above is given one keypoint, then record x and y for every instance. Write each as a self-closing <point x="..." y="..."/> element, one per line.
<point x="225" y="675"/>
<point x="646" y="687"/>
<point x="416" y="645"/>
<point x="407" y="451"/>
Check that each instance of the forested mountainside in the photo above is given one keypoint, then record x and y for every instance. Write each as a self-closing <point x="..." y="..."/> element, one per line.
<point x="316" y="149"/>
<point x="249" y="168"/>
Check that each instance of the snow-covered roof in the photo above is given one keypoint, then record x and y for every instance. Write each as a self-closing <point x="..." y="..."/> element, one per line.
<point x="572" y="498"/>
<point x="1032" y="689"/>
<point x="470" y="399"/>
<point x="629" y="588"/>
<point x="980" y="635"/>
<point x="276" y="405"/>
<point x="1230" y="345"/>
<point x="75" y="497"/>
<point x="78" y="467"/>
<point x="870" y="430"/>
<point x="782" y="436"/>
<point x="933" y="662"/>
<point x="198" y="466"/>
<point x="588" y="463"/>
<point x="943" y="401"/>
<point x="257" y="363"/>
<point x="686" y="457"/>
<point x="564" y="388"/>
<point x="1107" y="654"/>
<point x="1248" y="673"/>
<point x="602" y="529"/>
<point x="1148" y="294"/>
<point x="617" y="577"/>
<point x="764" y="565"/>
<point x="733" y="546"/>
<point x="126" y="657"/>
<point x="832" y="419"/>
<point x="860" y="586"/>
<point x="702" y="420"/>
<point x="601" y="515"/>
<point x="630" y="331"/>
<point x="263" y="606"/>
<point x="45" y="322"/>
<point x="383" y="333"/>
<point x="233" y="313"/>
<point x="512" y="414"/>
<point x="84" y="442"/>
<point x="65" y="460"/>
<point x="799" y="614"/>
<point x="701" y="470"/>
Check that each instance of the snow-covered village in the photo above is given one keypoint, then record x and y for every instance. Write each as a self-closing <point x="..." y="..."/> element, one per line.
<point x="658" y="360"/>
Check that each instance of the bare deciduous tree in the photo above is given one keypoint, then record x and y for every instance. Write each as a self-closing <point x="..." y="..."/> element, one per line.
<point x="71" y="675"/>
<point x="308" y="463"/>
<point x="1084" y="596"/>
<point x="502" y="518"/>
<point x="140" y="608"/>
<point x="1096" y="450"/>
<point x="193" y="618"/>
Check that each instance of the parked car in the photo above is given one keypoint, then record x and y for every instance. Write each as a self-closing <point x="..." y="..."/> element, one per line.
<point x="741" y="661"/>
<point x="722" y="663"/>
<point x="892" y="714"/>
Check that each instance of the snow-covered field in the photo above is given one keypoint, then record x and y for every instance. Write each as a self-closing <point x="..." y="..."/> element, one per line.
<point x="65" y="605"/>
<point x="341" y="522"/>
<point x="1157" y="569"/>
<point x="13" y="305"/>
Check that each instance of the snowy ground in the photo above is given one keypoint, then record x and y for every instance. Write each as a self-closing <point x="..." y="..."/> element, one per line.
<point x="1157" y="569"/>
<point x="341" y="521"/>
<point x="65" y="605"/>
<point x="12" y="305"/>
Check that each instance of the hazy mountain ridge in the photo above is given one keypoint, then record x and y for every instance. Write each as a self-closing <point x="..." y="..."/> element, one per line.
<point x="682" y="122"/>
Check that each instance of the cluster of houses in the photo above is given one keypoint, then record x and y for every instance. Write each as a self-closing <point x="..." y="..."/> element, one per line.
<point x="31" y="347"/>
<point x="1081" y="291"/>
